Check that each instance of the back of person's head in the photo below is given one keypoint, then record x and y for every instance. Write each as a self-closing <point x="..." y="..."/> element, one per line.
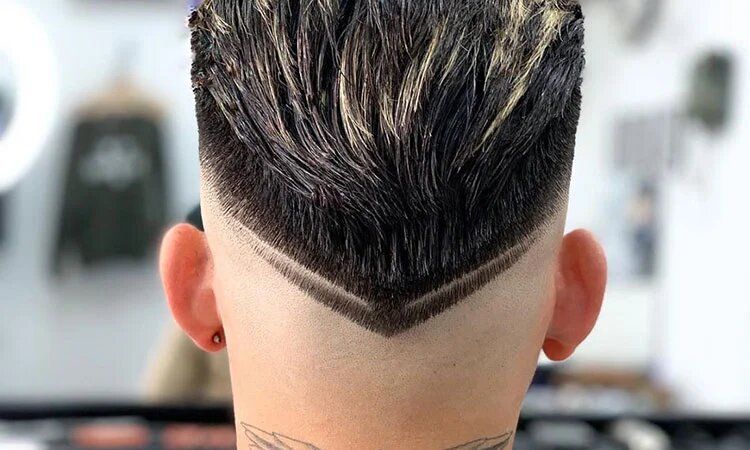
<point x="384" y="188"/>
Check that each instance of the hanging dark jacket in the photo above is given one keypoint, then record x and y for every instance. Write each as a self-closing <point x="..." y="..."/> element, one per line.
<point x="115" y="190"/>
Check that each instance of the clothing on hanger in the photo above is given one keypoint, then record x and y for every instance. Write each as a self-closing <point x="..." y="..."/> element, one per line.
<point x="115" y="190"/>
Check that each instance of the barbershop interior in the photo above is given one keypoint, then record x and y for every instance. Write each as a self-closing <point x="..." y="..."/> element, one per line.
<point x="90" y="357"/>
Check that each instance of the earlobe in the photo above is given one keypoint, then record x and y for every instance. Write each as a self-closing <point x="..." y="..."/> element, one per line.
<point x="580" y="282"/>
<point x="187" y="276"/>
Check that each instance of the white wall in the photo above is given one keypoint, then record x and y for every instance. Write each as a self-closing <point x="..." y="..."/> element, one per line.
<point x="90" y="335"/>
<point x="624" y="334"/>
<point x="704" y="321"/>
<point x="700" y="310"/>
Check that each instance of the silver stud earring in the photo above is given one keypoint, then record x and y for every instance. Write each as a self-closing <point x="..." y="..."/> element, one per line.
<point x="217" y="338"/>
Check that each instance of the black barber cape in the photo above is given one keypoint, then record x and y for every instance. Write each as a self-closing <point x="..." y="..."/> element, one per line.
<point x="115" y="190"/>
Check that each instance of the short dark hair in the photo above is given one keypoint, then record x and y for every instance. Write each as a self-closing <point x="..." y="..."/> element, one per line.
<point x="406" y="152"/>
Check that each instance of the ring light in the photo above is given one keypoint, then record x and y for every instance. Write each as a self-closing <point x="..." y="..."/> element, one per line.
<point x="25" y="46"/>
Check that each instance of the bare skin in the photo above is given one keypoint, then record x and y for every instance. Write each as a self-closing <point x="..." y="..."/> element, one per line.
<point x="304" y="372"/>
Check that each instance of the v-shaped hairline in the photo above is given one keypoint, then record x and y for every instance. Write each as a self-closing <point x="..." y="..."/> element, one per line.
<point x="283" y="263"/>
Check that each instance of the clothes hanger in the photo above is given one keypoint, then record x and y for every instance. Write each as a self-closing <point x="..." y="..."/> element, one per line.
<point x="122" y="96"/>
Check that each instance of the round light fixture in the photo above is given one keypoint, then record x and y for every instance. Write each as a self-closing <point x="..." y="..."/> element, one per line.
<point x="33" y="90"/>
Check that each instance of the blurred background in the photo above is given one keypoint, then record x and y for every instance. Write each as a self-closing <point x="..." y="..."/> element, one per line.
<point x="98" y="154"/>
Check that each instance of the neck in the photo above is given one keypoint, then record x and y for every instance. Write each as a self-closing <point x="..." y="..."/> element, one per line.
<point x="281" y="420"/>
<point x="321" y="382"/>
<point x="375" y="403"/>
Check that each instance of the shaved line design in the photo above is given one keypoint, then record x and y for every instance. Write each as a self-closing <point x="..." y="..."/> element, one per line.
<point x="385" y="322"/>
<point x="264" y="440"/>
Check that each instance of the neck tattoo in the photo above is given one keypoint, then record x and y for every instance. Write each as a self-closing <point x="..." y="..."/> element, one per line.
<point x="264" y="440"/>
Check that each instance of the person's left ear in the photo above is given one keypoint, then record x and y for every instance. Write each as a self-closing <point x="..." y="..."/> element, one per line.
<point x="187" y="276"/>
<point x="580" y="281"/>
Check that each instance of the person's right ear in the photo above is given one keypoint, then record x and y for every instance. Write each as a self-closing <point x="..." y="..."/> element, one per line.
<point x="580" y="280"/>
<point x="186" y="270"/>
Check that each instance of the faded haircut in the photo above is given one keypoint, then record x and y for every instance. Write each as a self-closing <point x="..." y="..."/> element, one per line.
<point x="404" y="152"/>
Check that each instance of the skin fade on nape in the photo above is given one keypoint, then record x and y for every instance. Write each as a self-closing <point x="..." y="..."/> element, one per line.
<point x="360" y="310"/>
<point x="388" y="158"/>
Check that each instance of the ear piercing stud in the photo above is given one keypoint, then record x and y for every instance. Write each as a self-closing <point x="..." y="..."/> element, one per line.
<point x="217" y="338"/>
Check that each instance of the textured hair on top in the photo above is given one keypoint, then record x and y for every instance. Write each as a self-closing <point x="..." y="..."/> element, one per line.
<point x="404" y="152"/>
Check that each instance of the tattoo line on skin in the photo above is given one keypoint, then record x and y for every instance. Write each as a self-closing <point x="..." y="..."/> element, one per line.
<point x="264" y="440"/>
